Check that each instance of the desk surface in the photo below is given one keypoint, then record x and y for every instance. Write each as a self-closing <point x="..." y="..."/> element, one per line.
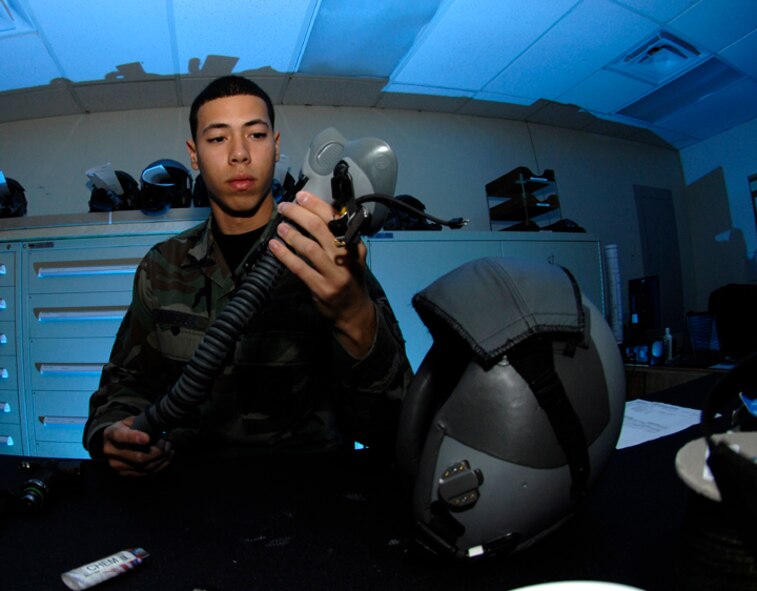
<point x="334" y="527"/>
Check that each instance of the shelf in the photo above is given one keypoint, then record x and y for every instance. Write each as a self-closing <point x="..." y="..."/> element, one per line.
<point x="512" y="209"/>
<point x="520" y="196"/>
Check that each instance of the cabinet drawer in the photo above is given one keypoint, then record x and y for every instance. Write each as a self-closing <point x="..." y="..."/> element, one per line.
<point x="45" y="449"/>
<point x="7" y="338"/>
<point x="7" y="268"/>
<point x="68" y="364"/>
<point x="10" y="440"/>
<point x="79" y="315"/>
<point x="96" y="269"/>
<point x="9" y="413"/>
<point x="7" y="304"/>
<point x="8" y="373"/>
<point x="60" y="415"/>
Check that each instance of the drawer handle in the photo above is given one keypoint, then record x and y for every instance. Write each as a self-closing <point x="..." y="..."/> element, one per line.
<point x="45" y="420"/>
<point x="5" y="406"/>
<point x="3" y="304"/>
<point x="3" y="269"/>
<point x="6" y="440"/>
<point x="81" y="314"/>
<point x="70" y="368"/>
<point x="3" y="338"/>
<point x="87" y="270"/>
<point x="4" y="375"/>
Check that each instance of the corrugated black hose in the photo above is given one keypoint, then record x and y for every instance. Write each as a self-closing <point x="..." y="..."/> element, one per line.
<point x="254" y="292"/>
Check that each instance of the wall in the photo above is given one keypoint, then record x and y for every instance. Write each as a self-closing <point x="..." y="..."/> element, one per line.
<point x="719" y="211"/>
<point x="444" y="160"/>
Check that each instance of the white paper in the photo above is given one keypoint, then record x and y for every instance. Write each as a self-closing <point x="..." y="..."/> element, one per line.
<point x="104" y="177"/>
<point x="645" y="421"/>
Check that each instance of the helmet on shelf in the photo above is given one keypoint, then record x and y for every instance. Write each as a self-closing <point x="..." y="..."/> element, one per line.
<point x="165" y="184"/>
<point x="102" y="199"/>
<point x="12" y="198"/>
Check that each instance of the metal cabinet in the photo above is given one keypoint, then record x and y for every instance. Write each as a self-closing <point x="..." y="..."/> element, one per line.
<point x="63" y="294"/>
<point x="11" y="441"/>
<point x="76" y="294"/>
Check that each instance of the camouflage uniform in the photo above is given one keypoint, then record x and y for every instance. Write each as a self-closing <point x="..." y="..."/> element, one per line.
<point x="290" y="387"/>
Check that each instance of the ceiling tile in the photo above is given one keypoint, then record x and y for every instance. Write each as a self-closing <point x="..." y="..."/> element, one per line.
<point x="264" y="33"/>
<point x="587" y="39"/>
<point x="743" y="54"/>
<point x="605" y="91"/>
<point x="661" y="12"/>
<point x="705" y="24"/>
<point x="91" y="39"/>
<point x="380" y="34"/>
<point x="18" y="53"/>
<point x="465" y="47"/>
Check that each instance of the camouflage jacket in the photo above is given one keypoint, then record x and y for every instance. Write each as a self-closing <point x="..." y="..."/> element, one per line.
<point x="290" y="386"/>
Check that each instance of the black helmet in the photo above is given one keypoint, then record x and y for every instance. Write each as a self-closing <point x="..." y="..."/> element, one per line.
<point x="108" y="200"/>
<point x="165" y="184"/>
<point x="12" y="200"/>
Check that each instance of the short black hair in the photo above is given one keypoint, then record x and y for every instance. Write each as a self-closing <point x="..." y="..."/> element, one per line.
<point x="224" y="87"/>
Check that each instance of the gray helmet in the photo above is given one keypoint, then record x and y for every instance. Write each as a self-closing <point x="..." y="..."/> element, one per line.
<point x="515" y="409"/>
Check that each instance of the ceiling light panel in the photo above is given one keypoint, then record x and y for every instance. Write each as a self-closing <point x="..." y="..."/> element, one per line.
<point x="717" y="112"/>
<point x="585" y="40"/>
<point x="468" y="43"/>
<point x="261" y="34"/>
<point x="363" y="37"/>
<point x="91" y="39"/>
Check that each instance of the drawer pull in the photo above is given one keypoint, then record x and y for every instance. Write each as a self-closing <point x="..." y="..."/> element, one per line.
<point x="4" y="375"/>
<point x="62" y="420"/>
<point x="3" y="304"/>
<point x="83" y="270"/>
<point x="6" y="440"/>
<point x="3" y="338"/>
<point x="70" y="368"/>
<point x="80" y="314"/>
<point x="5" y="406"/>
<point x="3" y="269"/>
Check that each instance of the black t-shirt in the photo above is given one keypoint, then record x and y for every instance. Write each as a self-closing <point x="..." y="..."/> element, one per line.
<point x="234" y="247"/>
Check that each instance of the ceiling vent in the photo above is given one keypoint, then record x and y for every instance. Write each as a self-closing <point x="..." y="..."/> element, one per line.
<point x="658" y="59"/>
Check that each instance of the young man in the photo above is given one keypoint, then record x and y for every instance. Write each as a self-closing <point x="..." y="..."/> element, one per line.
<point x="323" y="359"/>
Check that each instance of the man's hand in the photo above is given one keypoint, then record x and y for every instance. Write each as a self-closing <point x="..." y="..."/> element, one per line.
<point x="130" y="453"/>
<point x="334" y="274"/>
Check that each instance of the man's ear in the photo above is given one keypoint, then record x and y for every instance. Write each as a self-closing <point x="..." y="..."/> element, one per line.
<point x="277" y="149"/>
<point x="192" y="149"/>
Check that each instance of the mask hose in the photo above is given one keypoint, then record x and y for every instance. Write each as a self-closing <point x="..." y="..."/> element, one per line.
<point x="208" y="360"/>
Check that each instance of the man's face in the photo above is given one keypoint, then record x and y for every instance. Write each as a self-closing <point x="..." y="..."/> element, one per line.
<point x="235" y="151"/>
